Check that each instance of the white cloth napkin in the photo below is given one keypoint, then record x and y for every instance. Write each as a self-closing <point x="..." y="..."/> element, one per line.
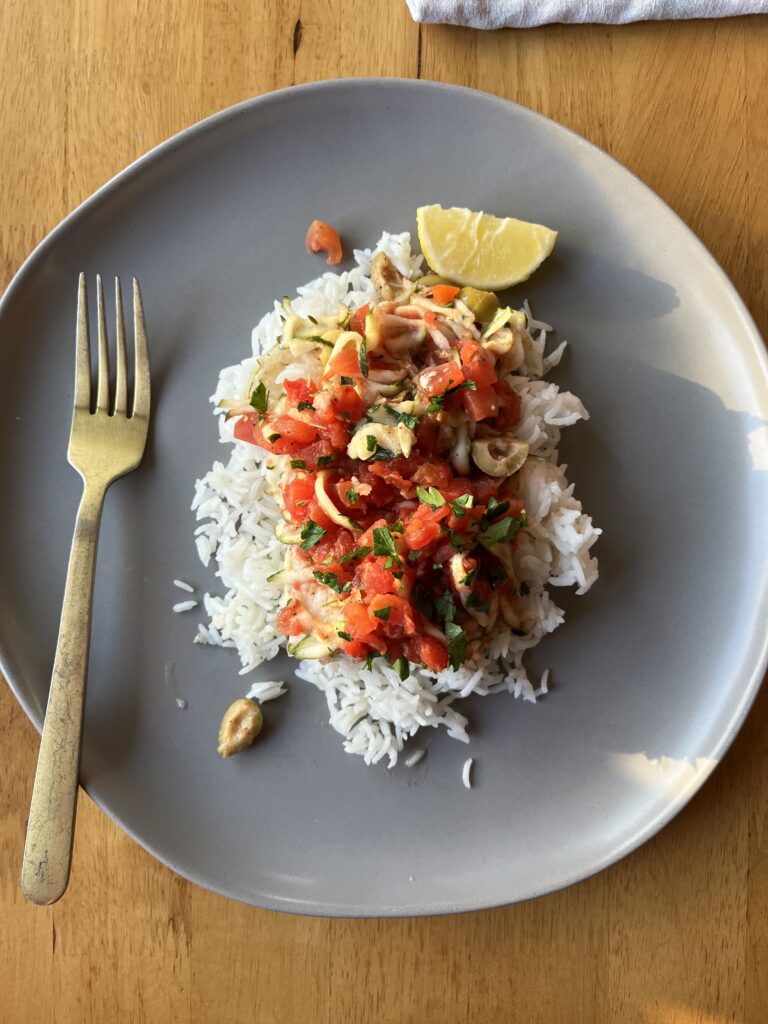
<point x="527" y="13"/>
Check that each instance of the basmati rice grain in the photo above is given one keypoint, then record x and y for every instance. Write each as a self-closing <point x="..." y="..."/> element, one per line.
<point x="465" y="772"/>
<point x="414" y="758"/>
<point x="184" y="586"/>
<point x="184" y="606"/>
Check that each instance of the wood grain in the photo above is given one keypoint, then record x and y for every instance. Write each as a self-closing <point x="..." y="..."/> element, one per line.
<point x="675" y="934"/>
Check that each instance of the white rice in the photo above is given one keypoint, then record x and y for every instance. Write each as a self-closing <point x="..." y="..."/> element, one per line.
<point x="184" y="586"/>
<point x="414" y="757"/>
<point x="465" y="772"/>
<point x="372" y="708"/>
<point x="184" y="606"/>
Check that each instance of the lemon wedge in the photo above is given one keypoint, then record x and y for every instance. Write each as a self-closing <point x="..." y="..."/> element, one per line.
<point x="480" y="250"/>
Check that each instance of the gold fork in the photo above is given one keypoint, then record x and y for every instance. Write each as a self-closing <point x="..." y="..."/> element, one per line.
<point x="104" y="444"/>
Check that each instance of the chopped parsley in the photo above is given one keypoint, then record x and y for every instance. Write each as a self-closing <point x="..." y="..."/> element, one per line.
<point x="461" y="504"/>
<point x="370" y="442"/>
<point x="328" y="579"/>
<point x="402" y="667"/>
<point x="501" y="530"/>
<point x="357" y="553"/>
<point x="457" y="644"/>
<point x="260" y="397"/>
<point x="363" y="358"/>
<point x="344" y="636"/>
<point x="324" y="460"/>
<point x="304" y="405"/>
<point x="458" y="543"/>
<point x="446" y="607"/>
<point x="495" y="508"/>
<point x="311" y="533"/>
<point x="298" y="464"/>
<point x="274" y="437"/>
<point x="413" y="557"/>
<point x="436" y="403"/>
<point x="381" y="453"/>
<point x="347" y="380"/>
<point x="397" y="527"/>
<point x="353" y="497"/>
<point x="430" y="496"/>
<point x="383" y="613"/>
<point x="384" y="542"/>
<point x="311" y="319"/>
<point x="469" y="579"/>
<point x="369" y="661"/>
<point x="408" y="419"/>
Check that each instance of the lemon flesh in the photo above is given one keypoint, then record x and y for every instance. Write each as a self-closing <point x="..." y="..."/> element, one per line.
<point x="479" y="250"/>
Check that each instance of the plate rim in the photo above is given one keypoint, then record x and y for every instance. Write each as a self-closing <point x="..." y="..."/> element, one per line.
<point x="752" y="684"/>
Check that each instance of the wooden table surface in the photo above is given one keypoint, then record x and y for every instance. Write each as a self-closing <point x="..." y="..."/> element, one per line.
<point x="677" y="932"/>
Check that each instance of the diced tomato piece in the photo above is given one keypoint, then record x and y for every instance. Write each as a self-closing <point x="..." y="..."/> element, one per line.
<point x="375" y="579"/>
<point x="248" y="428"/>
<point x="290" y="429"/>
<point x="321" y="237"/>
<point x="289" y="620"/>
<point x="483" y="486"/>
<point x="355" y="648"/>
<point x="299" y="390"/>
<point x="439" y="379"/>
<point x="336" y="433"/>
<point x="509" y="406"/>
<point x="345" y="363"/>
<point x="358" y="621"/>
<point x="400" y="621"/>
<point x="357" y="321"/>
<point x="423" y="528"/>
<point x="444" y="293"/>
<point x="430" y="318"/>
<point x="428" y="651"/>
<point x="347" y="404"/>
<point x="477" y="364"/>
<point x="434" y="473"/>
<point x="297" y="496"/>
<point x="480" y="404"/>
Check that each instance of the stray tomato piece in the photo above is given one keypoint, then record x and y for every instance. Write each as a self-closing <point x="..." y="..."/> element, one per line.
<point x="439" y="379"/>
<point x="321" y="237"/>
<point x="399" y="620"/>
<point x="289" y="620"/>
<point x="296" y="497"/>
<point x="444" y="293"/>
<point x="509" y="406"/>
<point x="357" y="620"/>
<point x="427" y="651"/>
<point x="375" y="579"/>
<point x="345" y="363"/>
<point x="299" y="390"/>
<point x="357" y="321"/>
<point x="481" y="403"/>
<point x="477" y="364"/>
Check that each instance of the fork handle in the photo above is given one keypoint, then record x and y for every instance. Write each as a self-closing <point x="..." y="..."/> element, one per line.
<point x="50" y="828"/>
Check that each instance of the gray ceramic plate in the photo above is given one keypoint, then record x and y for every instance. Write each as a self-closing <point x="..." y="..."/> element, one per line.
<point x="654" y="670"/>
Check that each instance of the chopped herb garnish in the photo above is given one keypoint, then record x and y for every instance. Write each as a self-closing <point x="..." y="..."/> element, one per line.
<point x="260" y="397"/>
<point x="383" y="613"/>
<point x="501" y="530"/>
<point x="469" y="579"/>
<point x="430" y="496"/>
<point x="311" y="319"/>
<point x="353" y="497"/>
<point x="370" y="442"/>
<point x="304" y="405"/>
<point x="324" y="460"/>
<point x="347" y="380"/>
<point x="381" y="453"/>
<point x="458" y="543"/>
<point x="413" y="556"/>
<point x="369" y="661"/>
<point x="445" y="607"/>
<point x="397" y="527"/>
<point x="457" y="644"/>
<point x="298" y="464"/>
<point x="423" y="603"/>
<point x="383" y="542"/>
<point x="408" y="419"/>
<point x="460" y="505"/>
<point x="436" y="403"/>
<point x="344" y="636"/>
<point x="363" y="358"/>
<point x="274" y="437"/>
<point x="466" y="385"/>
<point x="311" y="533"/>
<point x="357" y="553"/>
<point x="402" y="667"/>
<point x="495" y="508"/>
<point x="329" y="579"/>
<point x="391" y="562"/>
